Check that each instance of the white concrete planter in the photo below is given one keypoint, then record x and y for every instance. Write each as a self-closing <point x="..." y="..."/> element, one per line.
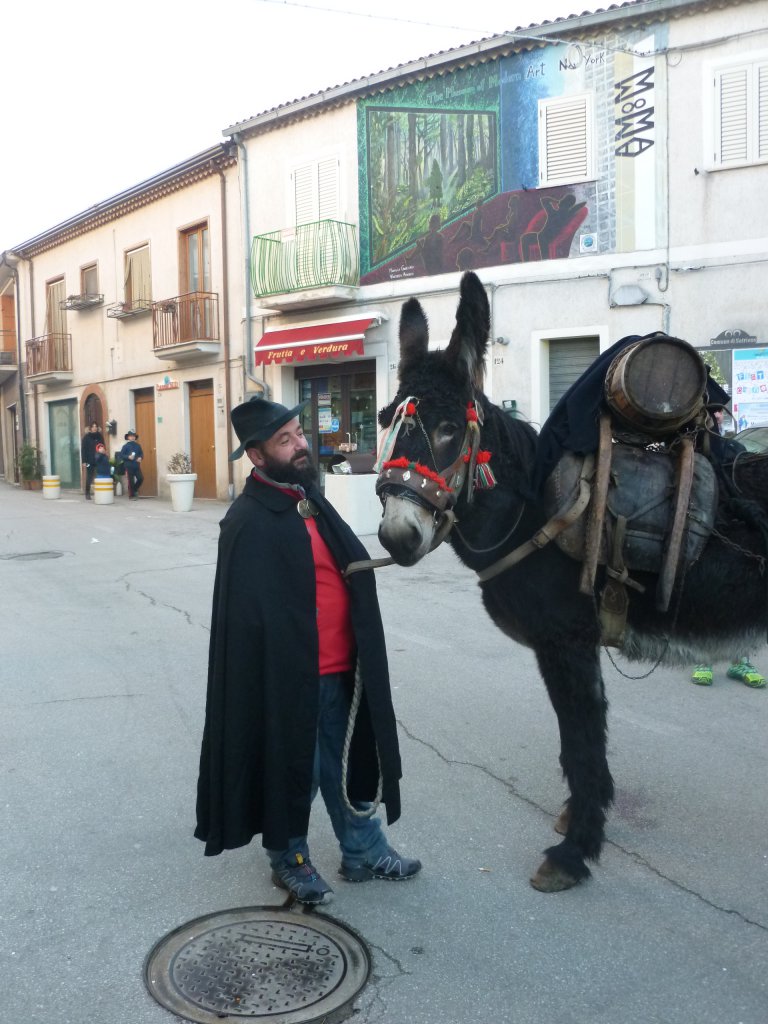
<point x="51" y="487"/>
<point x="182" y="490"/>
<point x="103" y="491"/>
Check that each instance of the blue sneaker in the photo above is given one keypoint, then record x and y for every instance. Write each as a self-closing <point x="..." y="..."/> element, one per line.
<point x="299" y="877"/>
<point x="391" y="866"/>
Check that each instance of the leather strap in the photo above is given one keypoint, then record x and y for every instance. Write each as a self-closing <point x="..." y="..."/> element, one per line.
<point x="597" y="507"/>
<point x="549" y="530"/>
<point x="671" y="560"/>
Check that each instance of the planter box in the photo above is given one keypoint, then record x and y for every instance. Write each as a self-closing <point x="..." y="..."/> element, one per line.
<point x="182" y="490"/>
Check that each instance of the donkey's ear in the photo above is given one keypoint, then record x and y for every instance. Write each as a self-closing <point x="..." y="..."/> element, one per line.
<point x="470" y="335"/>
<point x="414" y="334"/>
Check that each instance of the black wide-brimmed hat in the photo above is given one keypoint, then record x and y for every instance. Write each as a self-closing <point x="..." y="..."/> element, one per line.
<point x="258" y="419"/>
<point x="131" y="433"/>
<point x="717" y="396"/>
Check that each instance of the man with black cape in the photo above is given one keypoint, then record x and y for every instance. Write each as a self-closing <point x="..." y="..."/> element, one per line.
<point x="291" y="641"/>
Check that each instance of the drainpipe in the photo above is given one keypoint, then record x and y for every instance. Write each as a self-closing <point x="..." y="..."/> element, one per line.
<point x="225" y="311"/>
<point x="246" y="206"/>
<point x="34" y="335"/>
<point x="20" y="361"/>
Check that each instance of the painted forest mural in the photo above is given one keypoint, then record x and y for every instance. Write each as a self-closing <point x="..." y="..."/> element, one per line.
<point x="449" y="166"/>
<point x="426" y="168"/>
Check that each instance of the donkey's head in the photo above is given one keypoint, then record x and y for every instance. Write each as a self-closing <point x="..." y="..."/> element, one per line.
<point x="432" y="429"/>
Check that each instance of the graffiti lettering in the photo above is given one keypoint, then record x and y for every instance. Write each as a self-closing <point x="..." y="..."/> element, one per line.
<point x="633" y="123"/>
<point x="634" y="147"/>
<point x="641" y="81"/>
<point x="636" y="114"/>
<point x="535" y="72"/>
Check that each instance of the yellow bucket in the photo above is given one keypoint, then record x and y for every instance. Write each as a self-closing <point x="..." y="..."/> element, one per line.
<point x="51" y="487"/>
<point x="103" y="490"/>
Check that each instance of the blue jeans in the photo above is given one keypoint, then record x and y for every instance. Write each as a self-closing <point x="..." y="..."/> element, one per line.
<point x="361" y="839"/>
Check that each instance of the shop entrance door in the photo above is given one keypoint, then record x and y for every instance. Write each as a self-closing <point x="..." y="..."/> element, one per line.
<point x="341" y="415"/>
<point x="64" y="442"/>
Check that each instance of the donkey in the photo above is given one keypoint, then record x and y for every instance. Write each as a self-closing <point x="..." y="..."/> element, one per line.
<point x="537" y="602"/>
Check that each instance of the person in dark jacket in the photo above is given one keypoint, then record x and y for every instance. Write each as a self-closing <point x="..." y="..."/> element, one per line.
<point x="292" y="640"/>
<point x="101" y="461"/>
<point x="91" y="438"/>
<point x="131" y="455"/>
<point x="723" y="451"/>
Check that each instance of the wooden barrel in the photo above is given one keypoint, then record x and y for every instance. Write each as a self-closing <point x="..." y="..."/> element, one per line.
<point x="656" y="385"/>
<point x="103" y="490"/>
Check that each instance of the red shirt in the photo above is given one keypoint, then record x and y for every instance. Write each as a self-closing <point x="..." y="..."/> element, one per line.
<point x="334" y="628"/>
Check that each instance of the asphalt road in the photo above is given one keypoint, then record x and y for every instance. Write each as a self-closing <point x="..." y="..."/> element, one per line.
<point x="102" y="685"/>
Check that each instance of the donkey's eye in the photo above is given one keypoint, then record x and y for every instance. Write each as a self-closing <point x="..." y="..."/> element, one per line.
<point x="446" y="431"/>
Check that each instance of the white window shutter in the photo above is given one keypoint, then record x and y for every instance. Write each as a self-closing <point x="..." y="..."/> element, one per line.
<point x="328" y="189"/>
<point x="762" y="111"/>
<point x="741" y="114"/>
<point x="304" y="193"/>
<point x="732" y="137"/>
<point x="565" y="140"/>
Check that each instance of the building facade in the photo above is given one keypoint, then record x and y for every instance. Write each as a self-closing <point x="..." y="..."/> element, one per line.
<point x="603" y="175"/>
<point x="124" y="319"/>
<point x="595" y="172"/>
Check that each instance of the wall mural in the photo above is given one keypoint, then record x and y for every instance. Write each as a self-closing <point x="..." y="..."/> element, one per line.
<point x="449" y="166"/>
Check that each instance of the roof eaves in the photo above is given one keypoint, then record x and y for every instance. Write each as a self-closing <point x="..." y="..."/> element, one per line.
<point x="196" y="167"/>
<point x="480" y="50"/>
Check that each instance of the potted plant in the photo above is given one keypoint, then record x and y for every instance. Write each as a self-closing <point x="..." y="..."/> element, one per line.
<point x="182" y="481"/>
<point x="31" y="467"/>
<point x="118" y="472"/>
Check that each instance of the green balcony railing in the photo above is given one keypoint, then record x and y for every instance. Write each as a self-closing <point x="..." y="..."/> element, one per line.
<point x="314" y="255"/>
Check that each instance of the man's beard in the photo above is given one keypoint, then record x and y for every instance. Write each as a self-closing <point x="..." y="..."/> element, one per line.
<point x="290" y="473"/>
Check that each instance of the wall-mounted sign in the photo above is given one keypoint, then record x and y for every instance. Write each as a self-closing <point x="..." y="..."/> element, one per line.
<point x="167" y="384"/>
<point x="733" y="337"/>
<point x="749" y="404"/>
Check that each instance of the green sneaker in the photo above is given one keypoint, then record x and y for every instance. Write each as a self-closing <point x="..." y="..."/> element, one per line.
<point x="747" y="673"/>
<point x="702" y="675"/>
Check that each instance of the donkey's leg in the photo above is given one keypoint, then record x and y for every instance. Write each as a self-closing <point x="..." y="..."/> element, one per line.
<point x="575" y="686"/>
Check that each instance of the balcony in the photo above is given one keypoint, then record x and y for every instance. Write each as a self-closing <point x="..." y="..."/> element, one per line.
<point x="186" y="326"/>
<point x="9" y="360"/>
<point x="85" y="301"/>
<point x="313" y="264"/>
<point x="124" y="310"/>
<point x="49" y="359"/>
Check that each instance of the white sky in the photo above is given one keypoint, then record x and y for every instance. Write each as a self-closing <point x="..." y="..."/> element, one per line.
<point x="99" y="95"/>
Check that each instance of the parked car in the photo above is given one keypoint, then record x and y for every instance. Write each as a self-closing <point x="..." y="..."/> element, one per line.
<point x="754" y="439"/>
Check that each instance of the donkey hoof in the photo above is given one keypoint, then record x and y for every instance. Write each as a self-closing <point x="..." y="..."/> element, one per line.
<point x="551" y="878"/>
<point x="563" y="820"/>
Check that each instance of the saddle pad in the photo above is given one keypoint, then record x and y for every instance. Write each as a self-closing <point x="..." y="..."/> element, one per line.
<point x="642" y="489"/>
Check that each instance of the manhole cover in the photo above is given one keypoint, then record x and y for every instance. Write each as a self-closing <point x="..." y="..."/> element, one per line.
<point x="32" y="556"/>
<point x="262" y="963"/>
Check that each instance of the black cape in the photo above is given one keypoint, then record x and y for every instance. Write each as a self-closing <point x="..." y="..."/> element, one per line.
<point x="261" y="712"/>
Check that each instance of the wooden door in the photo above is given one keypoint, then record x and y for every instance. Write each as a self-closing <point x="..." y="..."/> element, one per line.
<point x="144" y="403"/>
<point x="201" y="437"/>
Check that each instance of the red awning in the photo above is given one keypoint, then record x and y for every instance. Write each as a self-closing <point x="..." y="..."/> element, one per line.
<point x="328" y="340"/>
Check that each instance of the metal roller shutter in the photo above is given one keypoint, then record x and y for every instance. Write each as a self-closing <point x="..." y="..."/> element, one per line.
<point x="568" y="359"/>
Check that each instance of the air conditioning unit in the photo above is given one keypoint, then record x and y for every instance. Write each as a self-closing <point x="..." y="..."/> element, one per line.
<point x="587" y="243"/>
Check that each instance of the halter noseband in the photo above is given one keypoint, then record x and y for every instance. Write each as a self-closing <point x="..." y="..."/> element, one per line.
<point x="439" y="489"/>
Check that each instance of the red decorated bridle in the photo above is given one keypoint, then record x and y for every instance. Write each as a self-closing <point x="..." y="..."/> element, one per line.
<point x="439" y="489"/>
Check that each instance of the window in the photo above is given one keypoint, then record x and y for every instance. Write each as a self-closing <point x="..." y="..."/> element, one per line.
<point x="55" y="316"/>
<point x="195" y="262"/>
<point x="566" y="140"/>
<point x="89" y="280"/>
<point x="315" y="191"/>
<point x="138" y="282"/>
<point x="740" y="113"/>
